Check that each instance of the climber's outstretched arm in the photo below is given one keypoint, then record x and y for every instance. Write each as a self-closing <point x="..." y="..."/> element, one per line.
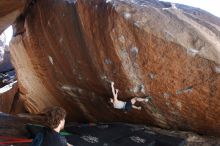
<point x="136" y="107"/>
<point x="114" y="92"/>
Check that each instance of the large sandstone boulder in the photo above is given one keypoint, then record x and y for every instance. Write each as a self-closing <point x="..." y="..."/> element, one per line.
<point x="9" y="11"/>
<point x="71" y="49"/>
<point x="8" y="97"/>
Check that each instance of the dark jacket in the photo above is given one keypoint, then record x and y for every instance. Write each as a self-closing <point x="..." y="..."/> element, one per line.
<point x="52" y="138"/>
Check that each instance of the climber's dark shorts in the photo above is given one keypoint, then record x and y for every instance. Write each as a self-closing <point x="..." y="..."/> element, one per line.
<point x="128" y="106"/>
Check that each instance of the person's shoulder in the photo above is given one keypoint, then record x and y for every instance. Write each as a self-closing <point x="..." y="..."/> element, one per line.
<point x="53" y="138"/>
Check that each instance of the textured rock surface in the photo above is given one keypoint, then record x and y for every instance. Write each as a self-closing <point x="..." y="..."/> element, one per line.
<point x="7" y="98"/>
<point x="71" y="49"/>
<point x="9" y="11"/>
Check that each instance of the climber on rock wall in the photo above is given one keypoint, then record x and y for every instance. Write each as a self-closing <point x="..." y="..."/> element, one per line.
<point x="127" y="106"/>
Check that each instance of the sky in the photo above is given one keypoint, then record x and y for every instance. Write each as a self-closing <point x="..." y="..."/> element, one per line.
<point x="8" y="32"/>
<point x="211" y="6"/>
<point x="208" y="5"/>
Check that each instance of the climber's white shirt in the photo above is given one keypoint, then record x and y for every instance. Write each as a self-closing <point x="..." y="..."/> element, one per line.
<point x="119" y="104"/>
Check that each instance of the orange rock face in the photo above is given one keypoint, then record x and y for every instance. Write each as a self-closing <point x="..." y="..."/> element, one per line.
<point x="9" y="11"/>
<point x="8" y="98"/>
<point x="70" y="50"/>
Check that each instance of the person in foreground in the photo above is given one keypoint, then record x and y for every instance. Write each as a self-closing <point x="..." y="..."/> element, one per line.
<point x="127" y="106"/>
<point x="54" y="119"/>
